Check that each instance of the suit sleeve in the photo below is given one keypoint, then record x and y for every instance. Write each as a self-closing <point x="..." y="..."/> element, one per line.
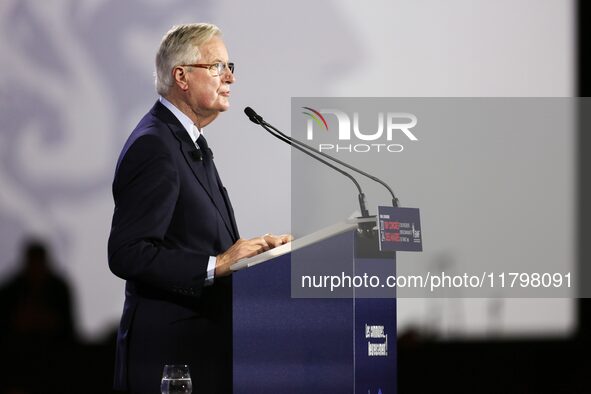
<point x="145" y="190"/>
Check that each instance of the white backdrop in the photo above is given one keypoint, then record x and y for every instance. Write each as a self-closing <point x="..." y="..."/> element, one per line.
<point x="77" y="76"/>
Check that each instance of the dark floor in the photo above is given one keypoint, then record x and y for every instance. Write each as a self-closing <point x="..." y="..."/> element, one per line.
<point x="541" y="366"/>
<point x="550" y="366"/>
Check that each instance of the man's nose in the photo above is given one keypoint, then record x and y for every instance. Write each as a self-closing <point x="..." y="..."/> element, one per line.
<point x="228" y="76"/>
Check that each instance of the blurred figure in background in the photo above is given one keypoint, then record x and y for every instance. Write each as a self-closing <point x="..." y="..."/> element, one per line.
<point x="36" y="325"/>
<point x="35" y="304"/>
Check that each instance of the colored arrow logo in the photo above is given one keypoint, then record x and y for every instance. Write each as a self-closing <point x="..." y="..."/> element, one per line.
<point x="317" y="116"/>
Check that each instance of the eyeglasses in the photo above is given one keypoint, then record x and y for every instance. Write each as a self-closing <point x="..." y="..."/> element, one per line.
<point x="215" y="69"/>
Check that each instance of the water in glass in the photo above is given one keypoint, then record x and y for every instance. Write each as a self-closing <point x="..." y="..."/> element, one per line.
<point x="176" y="380"/>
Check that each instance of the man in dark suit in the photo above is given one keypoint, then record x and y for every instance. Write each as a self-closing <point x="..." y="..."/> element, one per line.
<point x="174" y="236"/>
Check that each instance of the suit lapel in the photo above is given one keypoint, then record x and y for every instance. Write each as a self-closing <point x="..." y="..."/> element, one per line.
<point x="190" y="153"/>
<point x="229" y="206"/>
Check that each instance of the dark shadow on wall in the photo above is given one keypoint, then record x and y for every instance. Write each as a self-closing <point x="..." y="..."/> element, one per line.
<point x="40" y="350"/>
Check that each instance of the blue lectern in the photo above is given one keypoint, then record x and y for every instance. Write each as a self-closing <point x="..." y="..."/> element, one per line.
<point x="306" y="345"/>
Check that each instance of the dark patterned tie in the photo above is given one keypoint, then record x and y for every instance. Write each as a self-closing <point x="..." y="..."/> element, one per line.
<point x="202" y="143"/>
<point x="208" y="162"/>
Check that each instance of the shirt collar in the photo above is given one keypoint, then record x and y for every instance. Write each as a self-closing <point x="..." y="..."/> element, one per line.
<point x="187" y="123"/>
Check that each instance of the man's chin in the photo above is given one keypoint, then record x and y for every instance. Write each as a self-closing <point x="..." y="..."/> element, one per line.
<point x="223" y="104"/>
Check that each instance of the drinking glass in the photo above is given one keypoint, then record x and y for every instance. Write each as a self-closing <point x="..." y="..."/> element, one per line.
<point x="176" y="380"/>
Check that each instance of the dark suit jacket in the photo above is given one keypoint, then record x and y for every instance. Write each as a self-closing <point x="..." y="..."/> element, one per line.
<point x="167" y="223"/>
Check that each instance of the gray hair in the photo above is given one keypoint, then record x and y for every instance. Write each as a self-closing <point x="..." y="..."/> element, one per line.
<point x="180" y="45"/>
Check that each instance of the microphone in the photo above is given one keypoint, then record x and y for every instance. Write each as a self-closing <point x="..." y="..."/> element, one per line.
<point x="253" y="116"/>
<point x="256" y="118"/>
<point x="196" y="155"/>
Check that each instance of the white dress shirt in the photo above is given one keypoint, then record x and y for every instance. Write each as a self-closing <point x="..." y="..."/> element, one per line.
<point x="194" y="133"/>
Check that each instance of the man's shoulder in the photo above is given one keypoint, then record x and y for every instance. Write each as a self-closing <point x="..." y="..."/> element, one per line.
<point x="149" y="127"/>
<point x="155" y="126"/>
<point x="147" y="134"/>
<point x="151" y="136"/>
<point x="152" y="123"/>
<point x="155" y="136"/>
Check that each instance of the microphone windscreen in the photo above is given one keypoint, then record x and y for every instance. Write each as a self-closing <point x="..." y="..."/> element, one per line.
<point x="252" y="115"/>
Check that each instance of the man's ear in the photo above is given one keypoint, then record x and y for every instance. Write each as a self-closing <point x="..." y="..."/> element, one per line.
<point x="179" y="74"/>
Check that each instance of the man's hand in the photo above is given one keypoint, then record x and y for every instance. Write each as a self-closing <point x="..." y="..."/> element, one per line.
<point x="277" y="240"/>
<point x="244" y="248"/>
<point x="241" y="249"/>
